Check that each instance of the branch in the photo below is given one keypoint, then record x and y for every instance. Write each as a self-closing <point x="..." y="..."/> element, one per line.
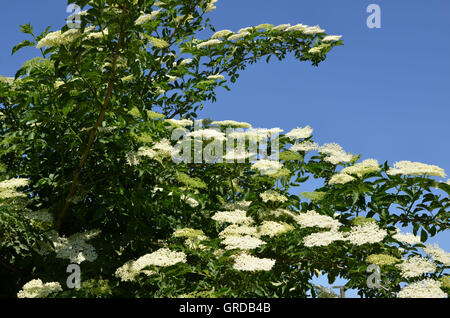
<point x="94" y="130"/>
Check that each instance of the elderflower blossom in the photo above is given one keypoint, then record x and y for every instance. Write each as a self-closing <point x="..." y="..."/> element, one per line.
<point x="14" y="183"/>
<point x="58" y="38"/>
<point x="427" y="288"/>
<point x="335" y="153"/>
<point x="39" y="216"/>
<point x="237" y="230"/>
<point x="245" y="242"/>
<point x="366" y="233"/>
<point x="341" y="178"/>
<point x="216" y="77"/>
<point x="238" y="155"/>
<point x="180" y="122"/>
<point x="438" y="254"/>
<point x="416" y="169"/>
<point x="407" y="238"/>
<point x="245" y="262"/>
<point x="363" y="168"/>
<point x="74" y="248"/>
<point x="221" y="34"/>
<point x="304" y="146"/>
<point x="273" y="196"/>
<point x="267" y="167"/>
<point x="323" y="238"/>
<point x="187" y="232"/>
<point x="162" y="258"/>
<point x="208" y="43"/>
<point x="147" y="17"/>
<point x="190" y="201"/>
<point x="300" y="133"/>
<point x="315" y="50"/>
<point x="234" y="217"/>
<point x="297" y="27"/>
<point x="271" y="228"/>
<point x="208" y="134"/>
<point x="238" y="36"/>
<point x="37" y="289"/>
<point x="210" y="7"/>
<point x="416" y="266"/>
<point x="313" y="219"/>
<point x="332" y="38"/>
<point x="381" y="259"/>
<point x="313" y="30"/>
<point x="282" y="27"/>
<point x="232" y="123"/>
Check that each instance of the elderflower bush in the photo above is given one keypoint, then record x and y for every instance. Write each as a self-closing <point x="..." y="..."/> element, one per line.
<point x="114" y="197"/>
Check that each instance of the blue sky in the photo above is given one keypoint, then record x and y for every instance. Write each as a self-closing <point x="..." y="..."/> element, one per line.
<point x="384" y="94"/>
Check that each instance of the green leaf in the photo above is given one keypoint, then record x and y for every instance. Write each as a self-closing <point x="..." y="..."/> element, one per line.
<point x="26" y="28"/>
<point x="423" y="235"/>
<point x="22" y="45"/>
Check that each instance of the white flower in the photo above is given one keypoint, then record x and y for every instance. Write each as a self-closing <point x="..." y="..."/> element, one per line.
<point x="238" y="155"/>
<point x="245" y="262"/>
<point x="208" y="43"/>
<point x="314" y="219"/>
<point x="234" y="217"/>
<point x="57" y="38"/>
<point x="75" y="248"/>
<point x="416" y="169"/>
<point x="273" y="196"/>
<point x="427" y="288"/>
<point x="210" y="7"/>
<point x="267" y="167"/>
<point x="237" y="230"/>
<point x="300" y="133"/>
<point x="221" y="34"/>
<point x="14" y="183"/>
<point x="438" y="254"/>
<point x="341" y="178"/>
<point x="147" y="17"/>
<point x="244" y="30"/>
<point x="313" y="30"/>
<point x="332" y="38"/>
<point x="37" y="289"/>
<point x="304" y="146"/>
<point x="245" y="242"/>
<point x="366" y="233"/>
<point x="297" y="27"/>
<point x="216" y="77"/>
<point x="232" y="123"/>
<point x="323" y="238"/>
<point x="183" y="62"/>
<point x="171" y="78"/>
<point x="282" y="27"/>
<point x="208" y="134"/>
<point x="271" y="228"/>
<point x="40" y="216"/>
<point x="407" y="238"/>
<point x="238" y="36"/>
<point x="190" y="201"/>
<point x="416" y="266"/>
<point x="335" y="153"/>
<point x="315" y="50"/>
<point x="180" y="122"/>
<point x="363" y="168"/>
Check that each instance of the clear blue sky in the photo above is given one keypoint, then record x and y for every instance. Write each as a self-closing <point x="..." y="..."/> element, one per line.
<point x="384" y="94"/>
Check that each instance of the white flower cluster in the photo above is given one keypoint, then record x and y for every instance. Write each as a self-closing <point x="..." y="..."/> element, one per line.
<point x="359" y="169"/>
<point x="314" y="219"/>
<point x="57" y="38"/>
<point x="221" y="34"/>
<point x="304" y="146"/>
<point x="216" y="77"/>
<point x="147" y="17"/>
<point x="162" y="149"/>
<point x="14" y="183"/>
<point x="180" y="122"/>
<point x="39" y="216"/>
<point x="335" y="153"/>
<point x="37" y="289"/>
<point x="271" y="228"/>
<point x="232" y="123"/>
<point x="300" y="133"/>
<point x="190" y="201"/>
<point x="208" y="134"/>
<point x="267" y="167"/>
<point x="416" y="266"/>
<point x="438" y="254"/>
<point x="161" y="258"/>
<point x="245" y="242"/>
<point x="234" y="217"/>
<point x="246" y="262"/>
<point x="210" y="7"/>
<point x="332" y="38"/>
<point x="240" y="156"/>
<point x="366" y="233"/>
<point x="427" y="288"/>
<point x="75" y="248"/>
<point x="407" y="238"/>
<point x="272" y="196"/>
<point x="323" y="238"/>
<point x="211" y="42"/>
<point x="416" y="169"/>
<point x="239" y="230"/>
